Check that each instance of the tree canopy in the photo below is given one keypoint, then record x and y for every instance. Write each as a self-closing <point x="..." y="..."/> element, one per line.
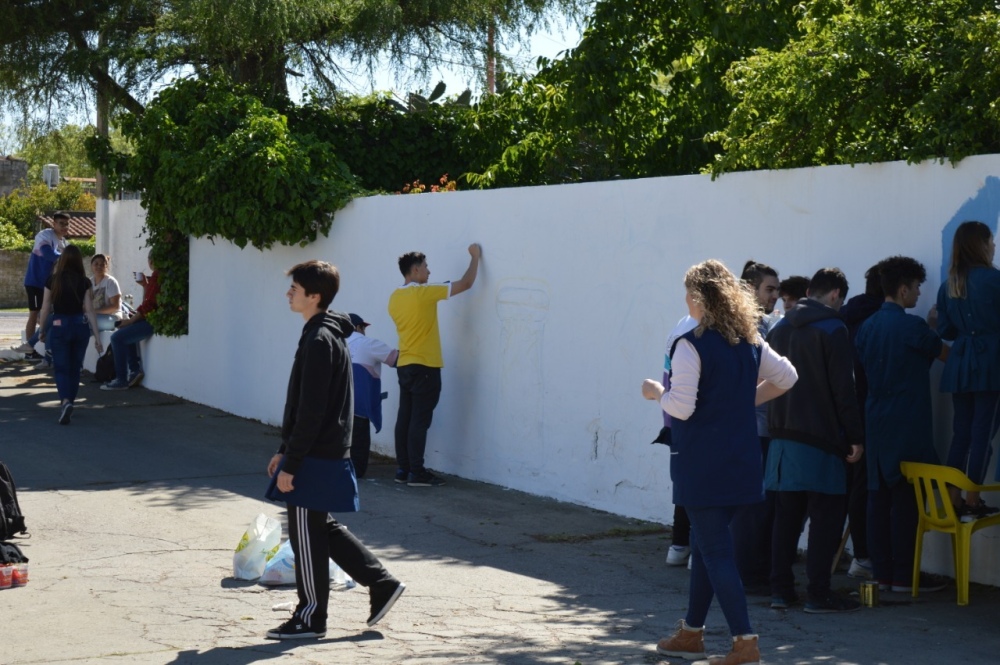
<point x="636" y="98"/>
<point x="53" y="53"/>
<point x="871" y="81"/>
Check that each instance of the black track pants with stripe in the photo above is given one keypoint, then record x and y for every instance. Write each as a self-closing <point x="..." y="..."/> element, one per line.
<point x="316" y="538"/>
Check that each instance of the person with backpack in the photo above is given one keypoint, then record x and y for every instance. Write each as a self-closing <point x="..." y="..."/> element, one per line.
<point x="69" y="297"/>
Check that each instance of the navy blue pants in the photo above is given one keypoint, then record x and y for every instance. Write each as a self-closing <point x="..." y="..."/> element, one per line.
<point x="68" y="337"/>
<point x="975" y="422"/>
<point x="892" y="532"/>
<point x="713" y="570"/>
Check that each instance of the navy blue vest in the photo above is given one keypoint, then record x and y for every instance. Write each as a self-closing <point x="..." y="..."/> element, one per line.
<point x="716" y="452"/>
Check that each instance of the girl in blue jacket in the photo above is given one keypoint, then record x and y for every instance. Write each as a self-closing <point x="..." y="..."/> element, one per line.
<point x="968" y="307"/>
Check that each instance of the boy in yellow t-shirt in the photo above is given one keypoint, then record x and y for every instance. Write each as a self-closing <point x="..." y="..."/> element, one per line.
<point x="413" y="307"/>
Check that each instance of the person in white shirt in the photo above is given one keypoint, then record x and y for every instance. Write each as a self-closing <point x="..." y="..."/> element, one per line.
<point x="367" y="356"/>
<point x="107" y="293"/>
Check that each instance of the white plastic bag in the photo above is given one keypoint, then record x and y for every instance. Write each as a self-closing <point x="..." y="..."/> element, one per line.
<point x="260" y="540"/>
<point x="280" y="570"/>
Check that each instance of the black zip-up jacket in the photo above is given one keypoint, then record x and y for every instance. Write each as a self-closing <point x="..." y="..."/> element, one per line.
<point x="821" y="409"/>
<point x="319" y="409"/>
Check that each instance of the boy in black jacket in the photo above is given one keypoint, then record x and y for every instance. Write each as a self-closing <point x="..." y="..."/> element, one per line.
<point x="319" y="412"/>
<point x="815" y="428"/>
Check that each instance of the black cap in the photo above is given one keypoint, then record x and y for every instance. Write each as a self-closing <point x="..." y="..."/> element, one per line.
<point x="358" y="321"/>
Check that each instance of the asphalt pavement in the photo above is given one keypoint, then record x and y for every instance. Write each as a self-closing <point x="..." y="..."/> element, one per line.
<point x="136" y="507"/>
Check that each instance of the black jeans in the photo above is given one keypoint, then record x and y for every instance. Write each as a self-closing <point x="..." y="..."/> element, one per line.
<point x="322" y="539"/>
<point x="752" y="527"/>
<point x="892" y="532"/>
<point x="419" y="391"/>
<point x="361" y="445"/>
<point x="681" y="535"/>
<point x="857" y="507"/>
<point x="826" y="520"/>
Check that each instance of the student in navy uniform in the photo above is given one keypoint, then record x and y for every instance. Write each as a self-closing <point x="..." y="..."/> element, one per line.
<point x="897" y="350"/>
<point x="317" y="426"/>
<point x="968" y="314"/>
<point x="719" y="372"/>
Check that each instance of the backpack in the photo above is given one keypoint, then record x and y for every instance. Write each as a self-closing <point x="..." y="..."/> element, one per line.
<point x="105" y="369"/>
<point x="11" y="553"/>
<point x="11" y="517"/>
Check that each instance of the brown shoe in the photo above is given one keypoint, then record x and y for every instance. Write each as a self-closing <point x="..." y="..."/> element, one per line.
<point x="745" y="652"/>
<point x="687" y="642"/>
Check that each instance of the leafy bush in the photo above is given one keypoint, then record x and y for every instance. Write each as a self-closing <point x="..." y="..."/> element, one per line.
<point x="386" y="145"/>
<point x="11" y="238"/>
<point x="212" y="161"/>
<point x="22" y="206"/>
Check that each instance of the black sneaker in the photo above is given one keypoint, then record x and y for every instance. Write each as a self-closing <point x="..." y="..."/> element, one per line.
<point x="831" y="604"/>
<point x="294" y="629"/>
<point x="402" y="476"/>
<point x="383" y="596"/>
<point x="67" y="413"/>
<point x="972" y="512"/>
<point x="782" y="601"/>
<point x="424" y="479"/>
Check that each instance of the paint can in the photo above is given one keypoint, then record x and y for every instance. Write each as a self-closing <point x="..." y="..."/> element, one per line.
<point x="869" y="594"/>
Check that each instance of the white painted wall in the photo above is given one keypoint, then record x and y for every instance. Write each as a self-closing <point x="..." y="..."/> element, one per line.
<point x="578" y="288"/>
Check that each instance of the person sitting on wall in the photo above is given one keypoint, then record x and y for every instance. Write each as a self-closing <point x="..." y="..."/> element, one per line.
<point x="367" y="356"/>
<point x="107" y="293"/>
<point x="125" y="340"/>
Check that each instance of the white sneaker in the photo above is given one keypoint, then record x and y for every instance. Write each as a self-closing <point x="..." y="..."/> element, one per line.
<point x="24" y="348"/>
<point x="861" y="569"/>
<point x="678" y="555"/>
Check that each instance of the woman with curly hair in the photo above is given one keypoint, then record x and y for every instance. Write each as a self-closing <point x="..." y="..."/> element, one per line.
<point x="968" y="315"/>
<point x="719" y="372"/>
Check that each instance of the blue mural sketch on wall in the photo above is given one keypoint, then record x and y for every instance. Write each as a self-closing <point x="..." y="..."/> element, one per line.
<point x="983" y="207"/>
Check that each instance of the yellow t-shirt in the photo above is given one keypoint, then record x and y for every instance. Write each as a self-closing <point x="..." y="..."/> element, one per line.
<point x="414" y="310"/>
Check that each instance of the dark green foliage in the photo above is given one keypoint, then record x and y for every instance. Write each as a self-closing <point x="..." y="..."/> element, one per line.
<point x="213" y="161"/>
<point x="636" y="98"/>
<point x="385" y="145"/>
